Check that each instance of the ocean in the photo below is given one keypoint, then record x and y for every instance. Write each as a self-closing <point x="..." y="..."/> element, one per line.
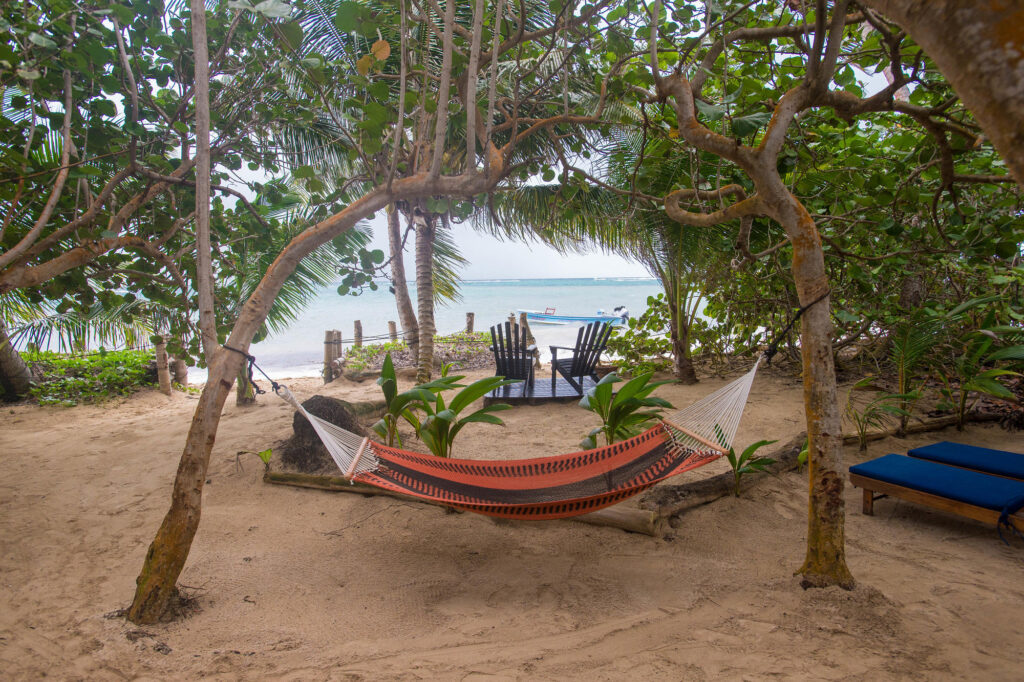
<point x="298" y="351"/>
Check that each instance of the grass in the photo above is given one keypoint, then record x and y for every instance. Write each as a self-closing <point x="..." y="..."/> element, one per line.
<point x="72" y="379"/>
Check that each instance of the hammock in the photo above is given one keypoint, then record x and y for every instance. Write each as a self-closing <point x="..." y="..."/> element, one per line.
<point x="546" y="487"/>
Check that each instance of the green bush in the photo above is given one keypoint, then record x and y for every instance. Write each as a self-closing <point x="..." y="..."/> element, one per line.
<point x="72" y="379"/>
<point x="448" y="348"/>
<point x="624" y="413"/>
<point x="640" y="346"/>
<point x="359" y="358"/>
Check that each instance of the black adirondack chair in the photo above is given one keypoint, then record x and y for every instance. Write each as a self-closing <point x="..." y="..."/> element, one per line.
<point x="512" y="356"/>
<point x="590" y="343"/>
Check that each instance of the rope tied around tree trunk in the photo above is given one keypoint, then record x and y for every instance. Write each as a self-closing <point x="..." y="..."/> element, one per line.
<point x="773" y="347"/>
<point x="252" y="363"/>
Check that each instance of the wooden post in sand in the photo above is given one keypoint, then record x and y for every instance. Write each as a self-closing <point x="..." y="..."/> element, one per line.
<point x="392" y="331"/>
<point x="357" y="334"/>
<point x="332" y="350"/>
<point x="469" y="322"/>
<point x="328" y="345"/>
<point x="530" y="341"/>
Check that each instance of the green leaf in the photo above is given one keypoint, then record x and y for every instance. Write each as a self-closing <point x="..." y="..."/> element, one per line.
<point x="711" y="112"/>
<point x="749" y="124"/>
<point x="484" y="417"/>
<point x="1008" y="353"/>
<point x="477" y="390"/>
<point x="273" y="9"/>
<point x="41" y="40"/>
<point x="291" y="34"/>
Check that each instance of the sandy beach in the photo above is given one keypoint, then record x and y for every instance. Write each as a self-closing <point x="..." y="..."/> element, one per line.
<point x="306" y="585"/>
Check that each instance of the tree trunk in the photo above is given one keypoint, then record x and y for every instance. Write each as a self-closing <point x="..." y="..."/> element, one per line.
<point x="825" y="563"/>
<point x="156" y="595"/>
<point x="179" y="371"/>
<point x="977" y="46"/>
<point x="204" y="254"/>
<point x="425" y="230"/>
<point x="406" y="314"/>
<point x="682" y="363"/>
<point x="163" y="372"/>
<point x="245" y="391"/>
<point x="15" y="377"/>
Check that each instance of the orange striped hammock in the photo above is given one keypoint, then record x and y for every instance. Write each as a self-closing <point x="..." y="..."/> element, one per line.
<point x="546" y="487"/>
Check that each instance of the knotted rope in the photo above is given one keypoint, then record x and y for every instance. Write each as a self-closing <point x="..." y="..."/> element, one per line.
<point x="252" y="363"/>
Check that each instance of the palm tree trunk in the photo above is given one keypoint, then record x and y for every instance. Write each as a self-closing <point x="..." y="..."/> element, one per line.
<point x="406" y="313"/>
<point x="425" y="231"/>
<point x="15" y="377"/>
<point x="682" y="363"/>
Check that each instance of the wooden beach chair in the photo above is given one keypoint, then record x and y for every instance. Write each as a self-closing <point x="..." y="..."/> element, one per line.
<point x="512" y="356"/>
<point x="590" y="343"/>
<point x="985" y="460"/>
<point x="978" y="496"/>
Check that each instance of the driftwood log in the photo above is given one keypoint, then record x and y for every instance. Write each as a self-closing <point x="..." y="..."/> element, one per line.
<point x="625" y="518"/>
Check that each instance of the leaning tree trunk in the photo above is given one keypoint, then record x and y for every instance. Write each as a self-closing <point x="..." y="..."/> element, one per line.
<point x="425" y="230"/>
<point x="406" y="314"/>
<point x="825" y="562"/>
<point x="977" y="45"/>
<point x="15" y="377"/>
<point x="156" y="593"/>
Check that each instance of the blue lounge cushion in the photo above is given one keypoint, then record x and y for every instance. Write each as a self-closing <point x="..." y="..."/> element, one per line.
<point x="969" y="487"/>
<point x="998" y="462"/>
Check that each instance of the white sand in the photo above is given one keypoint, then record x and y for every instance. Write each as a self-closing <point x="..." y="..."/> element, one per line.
<point x="307" y="585"/>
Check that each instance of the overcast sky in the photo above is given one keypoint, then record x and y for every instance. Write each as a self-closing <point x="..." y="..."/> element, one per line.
<point x="490" y="258"/>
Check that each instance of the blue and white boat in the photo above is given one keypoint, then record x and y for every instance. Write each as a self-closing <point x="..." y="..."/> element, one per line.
<point x="549" y="317"/>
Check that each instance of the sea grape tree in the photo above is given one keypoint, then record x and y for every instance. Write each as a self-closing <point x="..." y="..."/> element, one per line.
<point x="454" y="87"/>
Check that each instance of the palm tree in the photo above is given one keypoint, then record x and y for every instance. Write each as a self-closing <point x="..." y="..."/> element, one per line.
<point x="328" y="144"/>
<point x="687" y="261"/>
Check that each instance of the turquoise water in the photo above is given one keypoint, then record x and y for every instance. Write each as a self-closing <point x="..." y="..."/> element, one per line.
<point x="298" y="351"/>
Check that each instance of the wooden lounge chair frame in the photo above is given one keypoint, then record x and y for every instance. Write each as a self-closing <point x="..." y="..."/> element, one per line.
<point x="874" y="489"/>
<point x="513" y="357"/>
<point x="590" y="343"/>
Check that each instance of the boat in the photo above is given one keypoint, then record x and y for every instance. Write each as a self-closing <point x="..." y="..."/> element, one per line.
<point x="549" y="317"/>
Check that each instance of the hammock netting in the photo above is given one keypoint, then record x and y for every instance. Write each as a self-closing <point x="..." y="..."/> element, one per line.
<point x="546" y="487"/>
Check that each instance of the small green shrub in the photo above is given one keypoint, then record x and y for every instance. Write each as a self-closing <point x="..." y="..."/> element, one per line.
<point x="641" y="346"/>
<point x="624" y="413"/>
<point x="458" y="347"/>
<point x="442" y="422"/>
<point x="361" y="357"/>
<point x="970" y="370"/>
<point x="404" y="405"/>
<point x="72" y="379"/>
<point x="876" y="413"/>
<point x="746" y="463"/>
